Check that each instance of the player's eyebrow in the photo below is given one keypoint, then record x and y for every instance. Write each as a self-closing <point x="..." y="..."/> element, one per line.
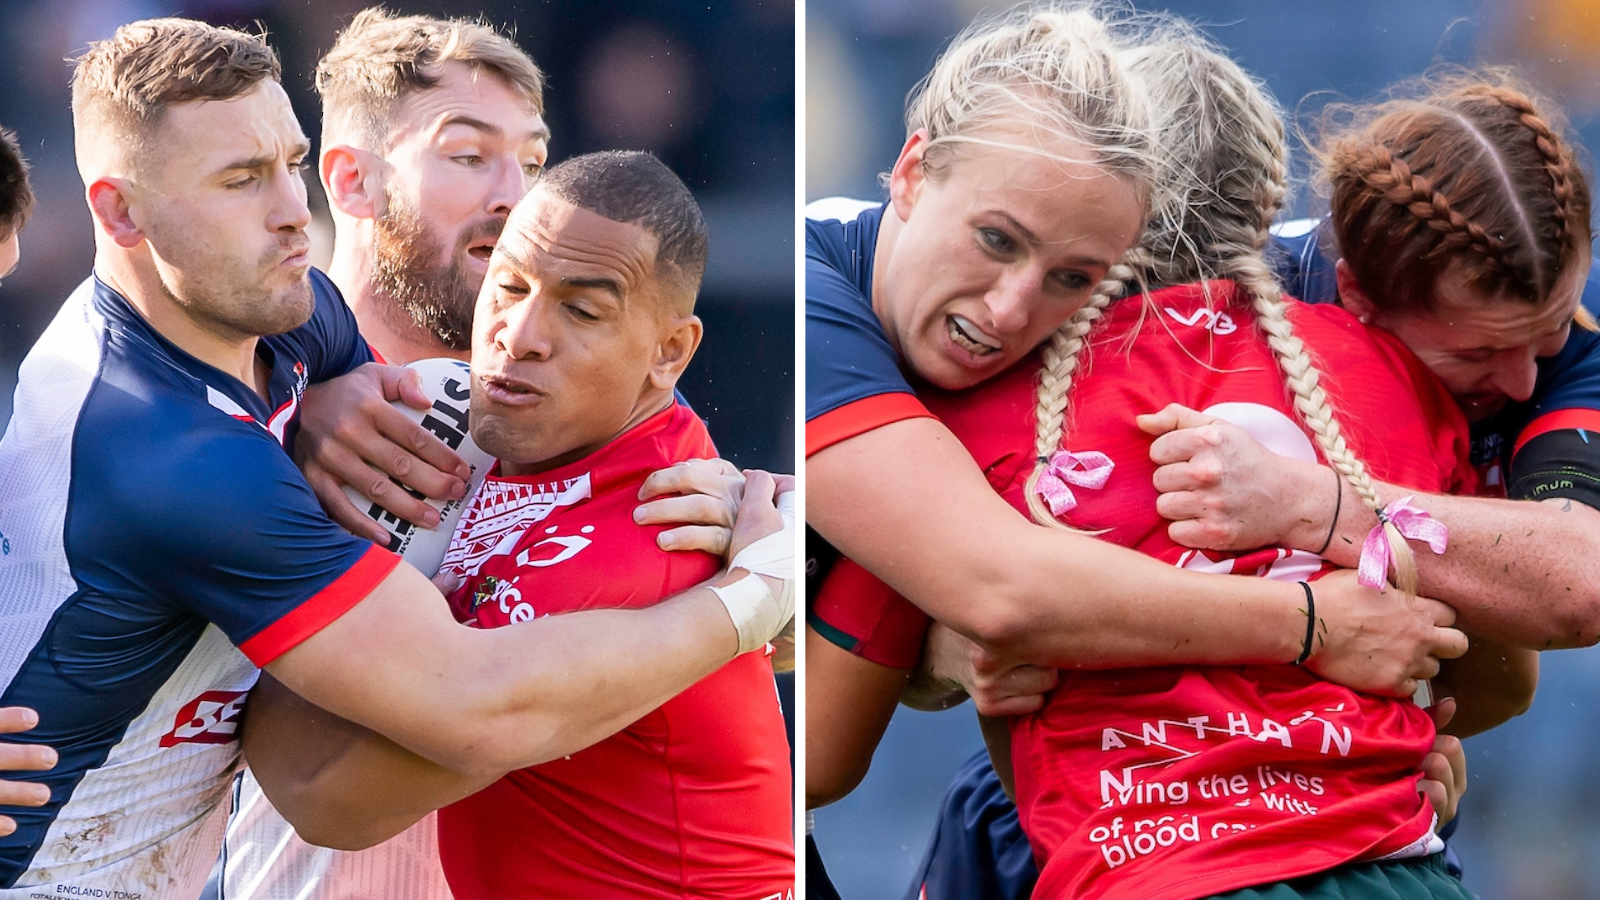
<point x="260" y="160"/>
<point x="1031" y="238"/>
<point x="517" y="262"/>
<point x="609" y="285"/>
<point x="489" y="128"/>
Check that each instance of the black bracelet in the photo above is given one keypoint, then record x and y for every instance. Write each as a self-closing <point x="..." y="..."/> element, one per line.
<point x="1338" y="503"/>
<point x="1311" y="624"/>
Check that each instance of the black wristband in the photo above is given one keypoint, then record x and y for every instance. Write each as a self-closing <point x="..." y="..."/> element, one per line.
<point x="1311" y="624"/>
<point x="1338" y="504"/>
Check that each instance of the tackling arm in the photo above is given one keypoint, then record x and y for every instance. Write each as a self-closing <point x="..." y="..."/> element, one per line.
<point x="1519" y="572"/>
<point x="341" y="785"/>
<point x="1059" y="598"/>
<point x="517" y="696"/>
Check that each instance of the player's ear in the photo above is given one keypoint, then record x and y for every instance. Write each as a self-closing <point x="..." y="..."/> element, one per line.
<point x="1351" y="296"/>
<point x="109" y="201"/>
<point x="908" y="176"/>
<point x="353" y="180"/>
<point x="679" y="340"/>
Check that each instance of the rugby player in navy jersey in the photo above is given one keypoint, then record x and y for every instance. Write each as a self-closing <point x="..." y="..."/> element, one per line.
<point x="157" y="523"/>
<point x="1489" y="281"/>
<point x="16" y="204"/>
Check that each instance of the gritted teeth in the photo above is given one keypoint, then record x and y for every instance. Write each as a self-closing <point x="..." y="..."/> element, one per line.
<point x="968" y="337"/>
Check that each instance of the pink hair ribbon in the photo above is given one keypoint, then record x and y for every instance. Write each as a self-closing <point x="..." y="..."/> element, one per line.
<point x="1413" y="524"/>
<point x="1067" y="470"/>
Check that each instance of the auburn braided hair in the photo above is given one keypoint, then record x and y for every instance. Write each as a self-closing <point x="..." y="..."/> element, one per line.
<point x="1467" y="172"/>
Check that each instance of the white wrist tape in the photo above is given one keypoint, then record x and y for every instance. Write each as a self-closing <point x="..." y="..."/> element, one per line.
<point x="753" y="609"/>
<point x="772" y="556"/>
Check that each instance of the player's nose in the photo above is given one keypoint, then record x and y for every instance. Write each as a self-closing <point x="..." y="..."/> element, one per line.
<point x="289" y="209"/>
<point x="1515" y="377"/>
<point x="1011" y="300"/>
<point x="525" y="331"/>
<point x="508" y="183"/>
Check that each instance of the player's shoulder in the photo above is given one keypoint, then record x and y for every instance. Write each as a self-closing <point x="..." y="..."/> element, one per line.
<point x="841" y="234"/>
<point x="161" y="459"/>
<point x="1300" y="255"/>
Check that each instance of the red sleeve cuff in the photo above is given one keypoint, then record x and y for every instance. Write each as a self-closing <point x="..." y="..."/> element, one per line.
<point x="326" y="605"/>
<point x="1560" y="420"/>
<point x="860" y="417"/>
<point x="880" y="625"/>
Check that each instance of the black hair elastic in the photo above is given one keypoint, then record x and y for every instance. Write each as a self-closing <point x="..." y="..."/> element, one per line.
<point x="1338" y="504"/>
<point x="1311" y="624"/>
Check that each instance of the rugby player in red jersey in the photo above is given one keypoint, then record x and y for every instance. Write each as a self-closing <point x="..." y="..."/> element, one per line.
<point x="582" y="329"/>
<point x="16" y="201"/>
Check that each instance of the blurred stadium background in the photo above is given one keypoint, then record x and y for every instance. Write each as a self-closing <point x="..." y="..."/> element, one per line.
<point x="1531" y="818"/>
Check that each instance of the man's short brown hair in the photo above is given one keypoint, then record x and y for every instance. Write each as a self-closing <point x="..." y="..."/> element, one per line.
<point x="123" y="86"/>
<point x="379" y="60"/>
<point x="16" y="198"/>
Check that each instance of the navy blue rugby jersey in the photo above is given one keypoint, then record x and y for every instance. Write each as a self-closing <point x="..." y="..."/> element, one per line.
<point x="153" y="527"/>
<point x="853" y="378"/>
<point x="1550" y="443"/>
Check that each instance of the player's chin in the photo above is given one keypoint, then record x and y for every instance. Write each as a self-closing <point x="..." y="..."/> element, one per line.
<point x="500" y="432"/>
<point x="291" y="307"/>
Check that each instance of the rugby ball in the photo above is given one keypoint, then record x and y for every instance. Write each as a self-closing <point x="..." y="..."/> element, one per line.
<point x="447" y="383"/>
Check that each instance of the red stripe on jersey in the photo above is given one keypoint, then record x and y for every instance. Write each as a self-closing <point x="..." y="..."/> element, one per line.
<point x="1560" y="420"/>
<point x="322" y="608"/>
<point x="861" y="417"/>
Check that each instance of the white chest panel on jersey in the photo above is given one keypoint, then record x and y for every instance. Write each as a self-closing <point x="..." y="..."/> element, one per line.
<point x="264" y="859"/>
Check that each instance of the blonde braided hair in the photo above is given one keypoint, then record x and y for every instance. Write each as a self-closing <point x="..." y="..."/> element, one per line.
<point x="1227" y="181"/>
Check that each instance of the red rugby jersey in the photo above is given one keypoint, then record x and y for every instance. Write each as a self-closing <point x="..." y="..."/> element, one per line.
<point x="694" y="799"/>
<point x="1187" y="782"/>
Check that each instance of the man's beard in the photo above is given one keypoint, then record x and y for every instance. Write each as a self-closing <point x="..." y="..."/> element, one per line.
<point x="437" y="297"/>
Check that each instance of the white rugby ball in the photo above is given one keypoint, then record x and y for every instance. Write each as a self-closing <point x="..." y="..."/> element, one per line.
<point x="447" y="383"/>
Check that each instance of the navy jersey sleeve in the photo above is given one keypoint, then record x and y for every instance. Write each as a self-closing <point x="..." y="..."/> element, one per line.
<point x="1300" y="262"/>
<point x="333" y="343"/>
<point x="853" y="378"/>
<point x="220" y="525"/>
<point x="1557" y="453"/>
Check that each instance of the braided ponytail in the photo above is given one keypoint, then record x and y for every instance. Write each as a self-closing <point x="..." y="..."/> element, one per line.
<point x="1060" y="359"/>
<point x="1227" y="181"/>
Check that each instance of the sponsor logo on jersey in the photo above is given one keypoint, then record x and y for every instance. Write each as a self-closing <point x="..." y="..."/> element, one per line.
<point x="1212" y="320"/>
<point x="553" y="550"/>
<point x="211" y="718"/>
<point x="501" y="512"/>
<point x="279" y="421"/>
